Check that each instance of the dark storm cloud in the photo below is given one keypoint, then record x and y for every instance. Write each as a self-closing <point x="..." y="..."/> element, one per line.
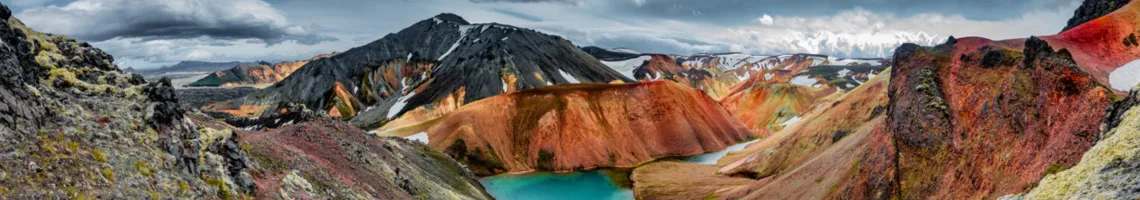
<point x="528" y="1"/>
<point x="101" y="20"/>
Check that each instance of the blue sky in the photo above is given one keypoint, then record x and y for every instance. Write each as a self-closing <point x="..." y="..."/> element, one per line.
<point x="152" y="33"/>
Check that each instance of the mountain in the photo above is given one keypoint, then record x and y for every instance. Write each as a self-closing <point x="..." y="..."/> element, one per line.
<point x="623" y="126"/>
<point x="803" y="160"/>
<point x="73" y="126"/>
<point x="719" y="74"/>
<point x="968" y="119"/>
<point x="190" y="66"/>
<point x="254" y="73"/>
<point x="764" y="92"/>
<point x="610" y="54"/>
<point x="437" y="59"/>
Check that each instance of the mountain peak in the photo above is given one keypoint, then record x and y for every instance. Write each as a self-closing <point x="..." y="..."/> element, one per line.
<point x="449" y="17"/>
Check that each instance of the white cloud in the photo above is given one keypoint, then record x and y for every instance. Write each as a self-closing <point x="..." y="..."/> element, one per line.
<point x="766" y="20"/>
<point x="847" y="33"/>
<point x="854" y="32"/>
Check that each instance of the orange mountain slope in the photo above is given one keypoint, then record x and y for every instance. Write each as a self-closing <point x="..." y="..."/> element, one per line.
<point x="805" y="160"/>
<point x="585" y="126"/>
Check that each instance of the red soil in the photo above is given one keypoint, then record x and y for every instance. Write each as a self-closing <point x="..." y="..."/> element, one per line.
<point x="587" y="126"/>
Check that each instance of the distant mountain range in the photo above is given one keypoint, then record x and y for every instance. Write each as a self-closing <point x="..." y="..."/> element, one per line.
<point x="254" y="73"/>
<point x="186" y="66"/>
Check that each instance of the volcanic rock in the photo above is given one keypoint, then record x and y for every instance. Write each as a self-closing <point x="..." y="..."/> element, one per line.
<point x="1092" y="9"/>
<point x="73" y="126"/>
<point x="434" y="59"/>
<point x="1109" y="170"/>
<point x="325" y="158"/>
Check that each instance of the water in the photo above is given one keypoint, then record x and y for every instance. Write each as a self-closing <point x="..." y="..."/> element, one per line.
<point x="711" y="157"/>
<point x="592" y="185"/>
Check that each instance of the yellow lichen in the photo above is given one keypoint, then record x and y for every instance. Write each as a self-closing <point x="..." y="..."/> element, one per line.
<point x="73" y="146"/>
<point x="1121" y="143"/>
<point x="109" y="174"/>
<point x="143" y="168"/>
<point x="99" y="156"/>
<point x="34" y="90"/>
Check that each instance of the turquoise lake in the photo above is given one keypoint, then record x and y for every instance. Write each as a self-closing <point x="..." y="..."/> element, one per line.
<point x="578" y="185"/>
<point x="591" y="185"/>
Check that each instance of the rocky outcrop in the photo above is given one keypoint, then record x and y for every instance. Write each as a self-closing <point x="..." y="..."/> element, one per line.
<point x="290" y="114"/>
<point x="623" y="126"/>
<point x="1092" y="9"/>
<point x="1104" y="46"/>
<point x="434" y="59"/>
<point x="325" y="159"/>
<point x="254" y="73"/>
<point x="964" y="130"/>
<point x="72" y="126"/>
<point x="1109" y="170"/>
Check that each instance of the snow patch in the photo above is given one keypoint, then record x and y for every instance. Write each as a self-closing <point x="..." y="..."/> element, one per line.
<point x="462" y="35"/>
<point x="848" y="61"/>
<point x="844" y="72"/>
<point x="804" y="80"/>
<point x="400" y="103"/>
<point x="568" y="77"/>
<point x="768" y="76"/>
<point x="626" y="67"/>
<point x="1125" y="77"/>
<point x="505" y="88"/>
<point x="791" y="121"/>
<point x="712" y="157"/>
<point x="871" y="75"/>
<point x="422" y="137"/>
<point x="745" y="76"/>
<point x="625" y="50"/>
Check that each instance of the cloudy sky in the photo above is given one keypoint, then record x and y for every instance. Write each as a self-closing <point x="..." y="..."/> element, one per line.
<point x="153" y="33"/>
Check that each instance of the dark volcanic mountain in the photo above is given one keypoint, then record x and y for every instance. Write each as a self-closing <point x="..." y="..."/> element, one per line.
<point x="191" y="66"/>
<point x="444" y="57"/>
<point x="609" y="55"/>
<point x="254" y="73"/>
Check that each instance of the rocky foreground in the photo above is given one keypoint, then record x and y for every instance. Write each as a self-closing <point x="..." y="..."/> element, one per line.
<point x="73" y="126"/>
